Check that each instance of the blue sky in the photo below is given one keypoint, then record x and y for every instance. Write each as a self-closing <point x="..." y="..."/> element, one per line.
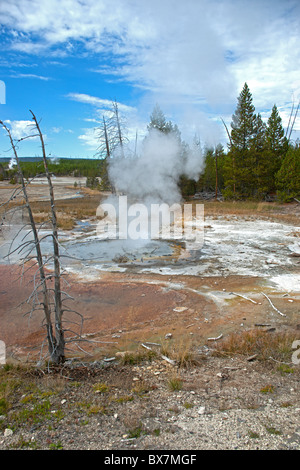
<point x="66" y="60"/>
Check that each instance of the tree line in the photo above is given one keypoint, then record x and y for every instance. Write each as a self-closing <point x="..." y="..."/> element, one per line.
<point x="76" y="167"/>
<point x="260" y="162"/>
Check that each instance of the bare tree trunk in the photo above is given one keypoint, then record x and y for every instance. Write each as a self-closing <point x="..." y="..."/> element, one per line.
<point x="46" y="302"/>
<point x="106" y="138"/>
<point x="116" y="111"/>
<point x="291" y="114"/>
<point x="293" y="122"/>
<point x="233" y="157"/>
<point x="107" y="149"/>
<point x="58" y="353"/>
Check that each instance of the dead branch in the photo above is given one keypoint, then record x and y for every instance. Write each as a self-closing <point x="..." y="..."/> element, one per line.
<point x="292" y="126"/>
<point x="229" y="136"/>
<point x="243" y="296"/>
<point x="291" y="114"/>
<point x="215" y="339"/>
<point x="170" y="361"/>
<point x="276" y="309"/>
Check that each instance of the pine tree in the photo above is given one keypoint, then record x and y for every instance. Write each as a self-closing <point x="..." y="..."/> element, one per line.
<point x="240" y="181"/>
<point x="158" y="121"/>
<point x="272" y="154"/>
<point x="275" y="140"/>
<point x="288" y="177"/>
<point x="243" y="121"/>
<point x="258" y="149"/>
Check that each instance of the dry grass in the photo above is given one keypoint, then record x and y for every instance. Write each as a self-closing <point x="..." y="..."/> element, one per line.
<point x="182" y="351"/>
<point x="68" y="210"/>
<point x="271" y="210"/>
<point x="264" y="344"/>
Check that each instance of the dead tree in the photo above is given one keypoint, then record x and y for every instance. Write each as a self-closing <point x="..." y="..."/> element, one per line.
<point x="111" y="134"/>
<point x="120" y="137"/>
<point x="106" y="138"/>
<point x="44" y="296"/>
<point x="292" y="126"/>
<point x="231" y="147"/>
<point x="57" y="353"/>
<point x="41" y="268"/>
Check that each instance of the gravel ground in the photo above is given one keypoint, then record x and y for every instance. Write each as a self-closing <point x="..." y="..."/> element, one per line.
<point x="219" y="404"/>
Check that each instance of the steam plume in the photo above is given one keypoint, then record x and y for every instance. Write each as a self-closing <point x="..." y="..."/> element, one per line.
<point x="154" y="175"/>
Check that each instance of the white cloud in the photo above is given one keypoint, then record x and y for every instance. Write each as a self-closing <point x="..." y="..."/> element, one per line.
<point x="56" y="130"/>
<point x="30" y="75"/>
<point x="89" y="139"/>
<point x="103" y="107"/>
<point x="21" y="129"/>
<point x="199" y="51"/>
<point x="98" y="102"/>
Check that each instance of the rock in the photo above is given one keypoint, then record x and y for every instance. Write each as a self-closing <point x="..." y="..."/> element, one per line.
<point x="201" y="410"/>
<point x="168" y="336"/>
<point x="8" y="432"/>
<point x="122" y="353"/>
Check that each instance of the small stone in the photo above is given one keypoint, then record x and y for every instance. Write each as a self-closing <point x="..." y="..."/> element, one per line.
<point x="8" y="432"/>
<point x="201" y="410"/>
<point x="63" y="401"/>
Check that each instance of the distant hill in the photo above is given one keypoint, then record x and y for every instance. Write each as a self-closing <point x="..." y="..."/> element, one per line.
<point x="22" y="159"/>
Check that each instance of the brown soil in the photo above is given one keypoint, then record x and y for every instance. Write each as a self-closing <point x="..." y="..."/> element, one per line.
<point x="123" y="310"/>
<point x="220" y="404"/>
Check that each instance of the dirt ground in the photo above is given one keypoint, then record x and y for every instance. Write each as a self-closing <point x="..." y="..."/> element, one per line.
<point x="123" y="308"/>
<point x="221" y="403"/>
